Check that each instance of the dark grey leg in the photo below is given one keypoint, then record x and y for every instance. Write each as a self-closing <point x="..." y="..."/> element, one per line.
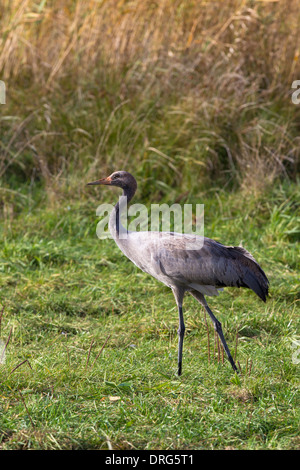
<point x="181" y="331"/>
<point x="217" y="326"/>
<point x="179" y="294"/>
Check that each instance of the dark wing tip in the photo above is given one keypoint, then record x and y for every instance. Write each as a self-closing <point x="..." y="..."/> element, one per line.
<point x="258" y="283"/>
<point x="253" y="276"/>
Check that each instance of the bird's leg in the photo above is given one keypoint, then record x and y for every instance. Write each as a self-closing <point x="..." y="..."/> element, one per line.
<point x="217" y="326"/>
<point x="178" y="294"/>
<point x="180" y="331"/>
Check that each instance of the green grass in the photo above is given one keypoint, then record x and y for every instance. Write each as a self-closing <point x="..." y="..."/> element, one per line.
<point x="65" y="293"/>
<point x="196" y="103"/>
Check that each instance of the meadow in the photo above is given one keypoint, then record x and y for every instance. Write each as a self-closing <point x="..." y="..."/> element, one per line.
<point x="195" y="101"/>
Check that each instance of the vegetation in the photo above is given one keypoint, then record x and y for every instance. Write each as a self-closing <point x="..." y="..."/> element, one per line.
<point x="195" y="100"/>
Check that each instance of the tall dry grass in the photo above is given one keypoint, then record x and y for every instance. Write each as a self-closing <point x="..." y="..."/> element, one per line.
<point x="48" y="38"/>
<point x="206" y="84"/>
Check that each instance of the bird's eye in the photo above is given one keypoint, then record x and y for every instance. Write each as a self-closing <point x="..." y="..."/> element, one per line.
<point x="116" y="175"/>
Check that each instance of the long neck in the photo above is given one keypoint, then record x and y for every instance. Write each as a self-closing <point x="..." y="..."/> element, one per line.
<point x="115" y="226"/>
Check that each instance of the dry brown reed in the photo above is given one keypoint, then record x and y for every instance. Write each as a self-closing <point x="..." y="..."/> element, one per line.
<point x="47" y="38"/>
<point x="226" y="68"/>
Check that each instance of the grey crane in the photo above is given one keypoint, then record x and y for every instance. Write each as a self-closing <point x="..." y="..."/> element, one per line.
<point x="204" y="270"/>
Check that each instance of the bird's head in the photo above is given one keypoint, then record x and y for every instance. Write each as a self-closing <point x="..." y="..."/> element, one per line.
<point x="122" y="179"/>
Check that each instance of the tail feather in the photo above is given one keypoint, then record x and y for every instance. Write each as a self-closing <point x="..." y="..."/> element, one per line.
<point x="261" y="289"/>
<point x="253" y="276"/>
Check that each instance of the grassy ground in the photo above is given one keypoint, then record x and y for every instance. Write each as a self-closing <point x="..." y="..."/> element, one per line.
<point x="195" y="101"/>
<point x="65" y="294"/>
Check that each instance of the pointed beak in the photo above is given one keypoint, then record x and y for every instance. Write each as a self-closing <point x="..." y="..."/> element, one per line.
<point x="101" y="181"/>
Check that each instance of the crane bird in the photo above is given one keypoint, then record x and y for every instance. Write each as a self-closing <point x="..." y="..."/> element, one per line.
<point x="200" y="271"/>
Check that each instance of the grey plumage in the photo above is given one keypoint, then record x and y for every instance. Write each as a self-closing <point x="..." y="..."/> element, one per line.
<point x="205" y="268"/>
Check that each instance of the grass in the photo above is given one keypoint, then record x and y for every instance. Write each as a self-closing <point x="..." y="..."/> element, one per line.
<point x="195" y="101"/>
<point x="178" y="92"/>
<point x="91" y="358"/>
